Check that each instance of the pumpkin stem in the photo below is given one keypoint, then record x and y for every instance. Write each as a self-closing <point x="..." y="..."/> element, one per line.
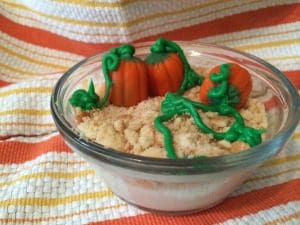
<point x="111" y="62"/>
<point x="125" y="51"/>
<point x="223" y="91"/>
<point x="191" y="78"/>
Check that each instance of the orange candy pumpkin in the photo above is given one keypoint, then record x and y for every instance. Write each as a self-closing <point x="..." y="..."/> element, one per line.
<point x="165" y="73"/>
<point x="129" y="83"/>
<point x="239" y="78"/>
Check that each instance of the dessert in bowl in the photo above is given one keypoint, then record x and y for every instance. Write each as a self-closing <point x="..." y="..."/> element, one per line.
<point x="181" y="142"/>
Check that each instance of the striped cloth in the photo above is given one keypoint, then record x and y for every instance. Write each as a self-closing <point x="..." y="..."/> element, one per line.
<point x="43" y="182"/>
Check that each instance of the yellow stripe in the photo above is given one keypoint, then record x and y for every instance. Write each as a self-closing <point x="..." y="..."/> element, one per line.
<point x="31" y="60"/>
<point x="283" y="57"/>
<point x="56" y="201"/>
<point x="279" y="161"/>
<point x="12" y="79"/>
<point x="117" y="25"/>
<point x="273" y="175"/>
<point x="258" y="35"/>
<point x="20" y="71"/>
<point x="18" y="16"/>
<point x="28" y="90"/>
<point x="136" y="32"/>
<point x="284" y="219"/>
<point x="27" y="124"/>
<point x="29" y="112"/>
<point x="268" y="44"/>
<point x="112" y="5"/>
<point x="65" y="216"/>
<point x="10" y="42"/>
<point x="296" y="136"/>
<point x="54" y="175"/>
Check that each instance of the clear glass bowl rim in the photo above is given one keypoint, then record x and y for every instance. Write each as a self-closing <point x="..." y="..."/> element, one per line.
<point x="254" y="155"/>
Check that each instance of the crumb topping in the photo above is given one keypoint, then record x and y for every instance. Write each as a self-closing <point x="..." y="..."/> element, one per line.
<point x="131" y="129"/>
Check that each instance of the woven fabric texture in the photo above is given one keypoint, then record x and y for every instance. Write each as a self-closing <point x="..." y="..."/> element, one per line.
<point x="43" y="182"/>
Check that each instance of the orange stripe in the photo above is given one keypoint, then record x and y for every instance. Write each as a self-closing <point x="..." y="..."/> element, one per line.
<point x="294" y="77"/>
<point x="125" y="24"/>
<point x="196" y="7"/>
<point x="3" y="83"/>
<point x="46" y="39"/>
<point x="238" y="22"/>
<point x="271" y="103"/>
<point x="259" y="18"/>
<point x="19" y="152"/>
<point x="238" y="206"/>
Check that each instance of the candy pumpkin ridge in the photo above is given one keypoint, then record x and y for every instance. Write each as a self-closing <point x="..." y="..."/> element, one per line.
<point x="111" y="62"/>
<point x="162" y="48"/>
<point x="87" y="100"/>
<point x="224" y="85"/>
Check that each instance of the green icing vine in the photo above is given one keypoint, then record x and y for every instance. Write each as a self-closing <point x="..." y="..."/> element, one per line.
<point x="223" y="96"/>
<point x="88" y="100"/>
<point x="159" y="50"/>
<point x="223" y="91"/>
<point x="174" y="104"/>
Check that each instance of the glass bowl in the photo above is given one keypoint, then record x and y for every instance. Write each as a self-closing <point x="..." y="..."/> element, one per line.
<point x="181" y="185"/>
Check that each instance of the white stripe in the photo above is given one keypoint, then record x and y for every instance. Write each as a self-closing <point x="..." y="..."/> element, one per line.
<point x="55" y="62"/>
<point x="49" y="156"/>
<point x="36" y="83"/>
<point x="21" y="64"/>
<point x="32" y="139"/>
<point x="106" y="14"/>
<point x="48" y="167"/>
<point x="277" y="51"/>
<point x="30" y="101"/>
<point x="259" y="184"/>
<point x="84" y="218"/>
<point x="47" y="187"/>
<point x="201" y="16"/>
<point x="5" y="76"/>
<point x="287" y="66"/>
<point x="16" y="77"/>
<point x="267" y="215"/>
<point x="69" y="57"/>
<point x="26" y="131"/>
<point x="12" y="76"/>
<point x="294" y="221"/>
<point x="151" y="26"/>
<point x="87" y="183"/>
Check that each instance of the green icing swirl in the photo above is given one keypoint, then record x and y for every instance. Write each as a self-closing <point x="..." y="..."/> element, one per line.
<point x="222" y="96"/>
<point x="88" y="100"/>
<point x="174" y="104"/>
<point x="160" y="50"/>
